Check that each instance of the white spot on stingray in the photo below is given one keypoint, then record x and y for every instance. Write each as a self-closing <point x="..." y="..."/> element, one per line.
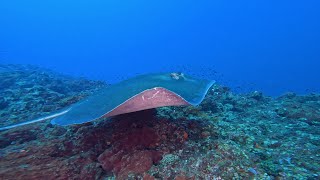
<point x="154" y="95"/>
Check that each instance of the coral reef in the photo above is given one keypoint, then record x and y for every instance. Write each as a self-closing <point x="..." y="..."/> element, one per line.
<point x="140" y="141"/>
<point x="29" y="92"/>
<point x="228" y="136"/>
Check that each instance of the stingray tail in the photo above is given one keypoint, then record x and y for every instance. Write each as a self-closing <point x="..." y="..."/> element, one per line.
<point x="35" y="120"/>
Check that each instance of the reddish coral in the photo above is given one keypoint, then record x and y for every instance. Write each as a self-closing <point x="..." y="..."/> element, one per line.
<point x="148" y="177"/>
<point x="137" y="142"/>
<point x="37" y="162"/>
<point x="126" y="146"/>
<point x="132" y="153"/>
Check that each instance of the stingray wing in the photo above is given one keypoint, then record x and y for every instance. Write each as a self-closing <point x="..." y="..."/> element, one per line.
<point x="135" y="94"/>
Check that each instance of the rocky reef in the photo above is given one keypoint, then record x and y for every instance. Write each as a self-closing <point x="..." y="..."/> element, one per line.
<point x="28" y="92"/>
<point x="228" y="136"/>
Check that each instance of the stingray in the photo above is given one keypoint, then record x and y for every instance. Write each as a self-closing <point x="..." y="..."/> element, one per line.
<point x="139" y="93"/>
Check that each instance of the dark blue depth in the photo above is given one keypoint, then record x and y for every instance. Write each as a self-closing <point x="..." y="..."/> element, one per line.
<point x="271" y="45"/>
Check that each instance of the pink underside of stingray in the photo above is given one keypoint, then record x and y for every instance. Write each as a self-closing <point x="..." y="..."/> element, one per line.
<point x="148" y="99"/>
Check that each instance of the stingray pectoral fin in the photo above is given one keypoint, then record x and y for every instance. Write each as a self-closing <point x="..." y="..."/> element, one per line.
<point x="36" y="120"/>
<point x="148" y="99"/>
<point x="139" y="93"/>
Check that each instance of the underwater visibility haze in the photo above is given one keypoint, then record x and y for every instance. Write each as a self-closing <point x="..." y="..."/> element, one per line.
<point x="273" y="45"/>
<point x="154" y="90"/>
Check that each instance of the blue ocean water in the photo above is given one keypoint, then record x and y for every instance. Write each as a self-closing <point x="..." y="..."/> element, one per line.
<point x="117" y="133"/>
<point x="273" y="46"/>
